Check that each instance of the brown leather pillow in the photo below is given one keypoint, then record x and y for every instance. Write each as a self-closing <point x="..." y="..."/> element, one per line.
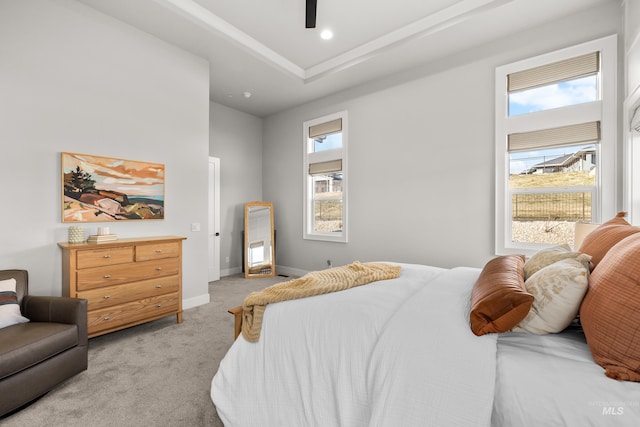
<point x="499" y="300"/>
<point x="610" y="312"/>
<point x="603" y="238"/>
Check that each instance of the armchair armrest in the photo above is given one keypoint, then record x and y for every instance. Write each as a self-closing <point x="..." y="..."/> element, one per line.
<point x="59" y="310"/>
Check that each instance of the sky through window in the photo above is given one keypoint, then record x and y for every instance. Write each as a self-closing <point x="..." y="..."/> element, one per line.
<point x="571" y="92"/>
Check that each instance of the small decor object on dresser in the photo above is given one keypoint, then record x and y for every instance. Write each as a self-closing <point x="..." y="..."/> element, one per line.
<point x="97" y="238"/>
<point x="76" y="234"/>
<point x="98" y="188"/>
<point x="126" y="282"/>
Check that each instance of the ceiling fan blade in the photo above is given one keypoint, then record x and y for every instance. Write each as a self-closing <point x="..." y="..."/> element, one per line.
<point x="311" y="13"/>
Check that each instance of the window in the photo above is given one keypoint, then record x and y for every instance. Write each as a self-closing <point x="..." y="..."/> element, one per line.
<point x="325" y="178"/>
<point x="256" y="253"/>
<point x="555" y="145"/>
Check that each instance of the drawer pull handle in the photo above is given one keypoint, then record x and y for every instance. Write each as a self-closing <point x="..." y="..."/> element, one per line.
<point x="107" y="256"/>
<point x="158" y="251"/>
<point x="158" y="306"/>
<point x="158" y="286"/>
<point x="107" y="276"/>
<point x="158" y="268"/>
<point x="107" y="318"/>
<point x="106" y="296"/>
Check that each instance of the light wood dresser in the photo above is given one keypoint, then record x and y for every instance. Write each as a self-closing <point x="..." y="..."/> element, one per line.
<point x="126" y="282"/>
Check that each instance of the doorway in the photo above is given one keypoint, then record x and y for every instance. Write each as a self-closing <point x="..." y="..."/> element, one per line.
<point x="214" y="220"/>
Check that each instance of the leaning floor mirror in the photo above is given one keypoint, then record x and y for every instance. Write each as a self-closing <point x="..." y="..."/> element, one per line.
<point x="259" y="253"/>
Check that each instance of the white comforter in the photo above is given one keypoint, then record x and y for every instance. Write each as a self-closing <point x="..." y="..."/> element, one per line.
<point x="552" y="380"/>
<point x="391" y="353"/>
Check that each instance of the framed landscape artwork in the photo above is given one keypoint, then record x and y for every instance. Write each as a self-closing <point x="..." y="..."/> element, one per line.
<point x="96" y="189"/>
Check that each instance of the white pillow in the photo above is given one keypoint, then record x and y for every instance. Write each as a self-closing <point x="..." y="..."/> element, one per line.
<point x="9" y="308"/>
<point x="558" y="290"/>
<point x="548" y="256"/>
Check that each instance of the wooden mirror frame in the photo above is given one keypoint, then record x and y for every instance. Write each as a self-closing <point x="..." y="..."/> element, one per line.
<point x="267" y="268"/>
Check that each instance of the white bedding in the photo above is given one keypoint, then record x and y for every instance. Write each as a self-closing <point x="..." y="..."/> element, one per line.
<point x="552" y="380"/>
<point x="391" y="353"/>
<point x="401" y="353"/>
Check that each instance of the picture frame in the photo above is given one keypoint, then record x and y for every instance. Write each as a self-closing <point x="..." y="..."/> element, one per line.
<point x="103" y="189"/>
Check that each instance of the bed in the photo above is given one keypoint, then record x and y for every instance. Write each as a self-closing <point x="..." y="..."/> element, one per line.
<point x="400" y="352"/>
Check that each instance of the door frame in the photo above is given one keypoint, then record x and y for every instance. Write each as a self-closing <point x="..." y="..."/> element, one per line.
<point x="213" y="216"/>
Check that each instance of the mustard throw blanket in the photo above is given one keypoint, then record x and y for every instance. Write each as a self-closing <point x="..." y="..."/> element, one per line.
<point x="314" y="283"/>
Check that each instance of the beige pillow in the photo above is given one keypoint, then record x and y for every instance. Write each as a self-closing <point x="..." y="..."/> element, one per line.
<point x="558" y="290"/>
<point x="610" y="312"/>
<point x="498" y="298"/>
<point x="548" y="256"/>
<point x="9" y="308"/>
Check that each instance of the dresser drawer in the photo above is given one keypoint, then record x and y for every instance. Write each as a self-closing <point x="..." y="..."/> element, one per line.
<point x="104" y="257"/>
<point x="119" y="294"/>
<point x="157" y="251"/>
<point x="97" y="277"/>
<point x="132" y="312"/>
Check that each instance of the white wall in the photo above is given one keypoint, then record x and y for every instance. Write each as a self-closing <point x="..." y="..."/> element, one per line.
<point x="72" y="79"/>
<point x="236" y="138"/>
<point x="421" y="156"/>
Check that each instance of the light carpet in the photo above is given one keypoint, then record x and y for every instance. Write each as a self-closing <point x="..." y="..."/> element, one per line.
<point x="156" y="374"/>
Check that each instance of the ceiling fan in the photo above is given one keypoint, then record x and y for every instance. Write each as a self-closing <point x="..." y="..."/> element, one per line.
<point x="311" y="13"/>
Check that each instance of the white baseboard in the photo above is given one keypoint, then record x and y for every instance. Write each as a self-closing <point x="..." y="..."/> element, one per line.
<point x="195" y="301"/>
<point x="205" y="298"/>
<point x="280" y="269"/>
<point x="289" y="271"/>
<point x="230" y="271"/>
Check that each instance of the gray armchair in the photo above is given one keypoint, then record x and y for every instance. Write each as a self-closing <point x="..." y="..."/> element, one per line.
<point x="38" y="355"/>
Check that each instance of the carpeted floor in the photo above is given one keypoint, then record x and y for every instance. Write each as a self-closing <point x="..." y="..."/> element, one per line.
<point x="156" y="374"/>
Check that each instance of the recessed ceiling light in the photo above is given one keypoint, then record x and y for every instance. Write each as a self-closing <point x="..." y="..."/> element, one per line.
<point x="326" y="35"/>
<point x="247" y="94"/>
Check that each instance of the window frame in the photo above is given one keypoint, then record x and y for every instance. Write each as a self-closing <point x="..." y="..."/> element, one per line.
<point x="308" y="181"/>
<point x="604" y="110"/>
